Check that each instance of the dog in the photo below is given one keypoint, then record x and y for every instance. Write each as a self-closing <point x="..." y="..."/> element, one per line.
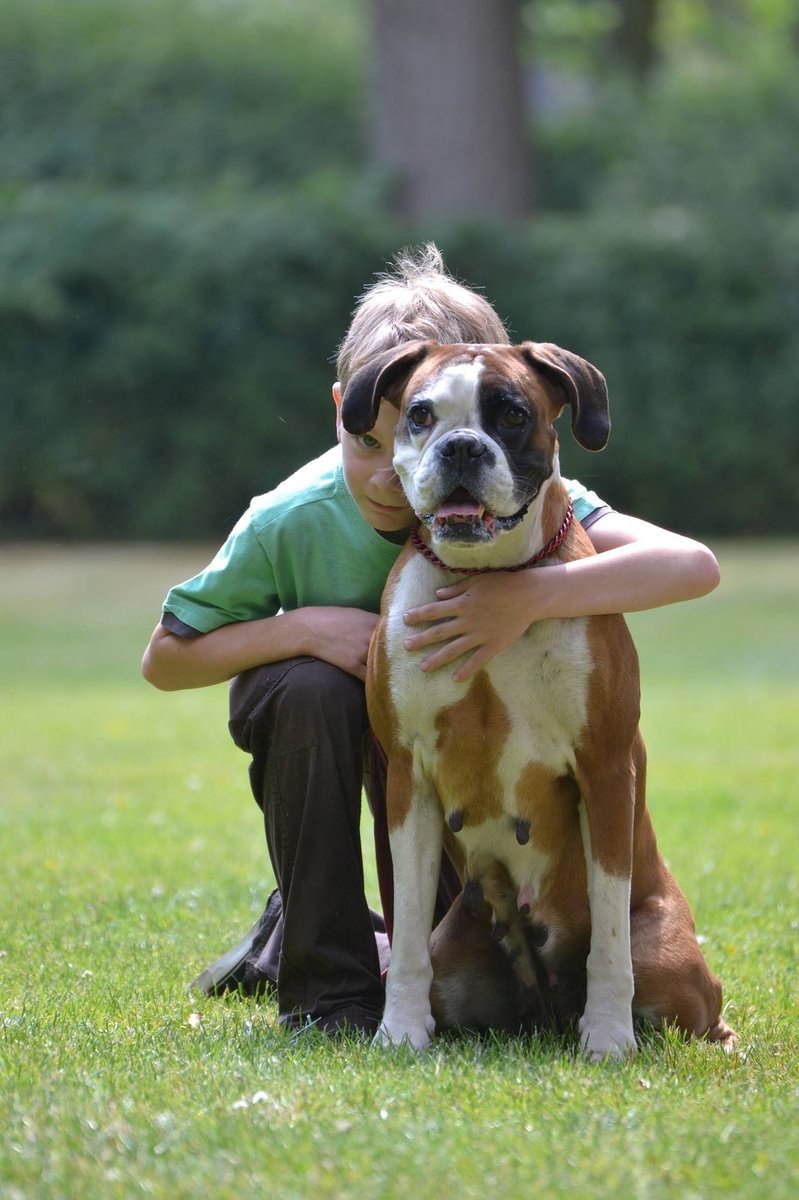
<point x="532" y="772"/>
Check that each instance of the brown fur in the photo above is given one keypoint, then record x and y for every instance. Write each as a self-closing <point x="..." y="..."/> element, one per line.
<point x="471" y="734"/>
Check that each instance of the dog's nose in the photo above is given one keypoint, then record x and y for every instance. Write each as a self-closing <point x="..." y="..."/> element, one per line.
<point x="461" y="446"/>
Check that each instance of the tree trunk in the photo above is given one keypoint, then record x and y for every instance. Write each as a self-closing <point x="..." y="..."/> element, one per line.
<point x="635" y="38"/>
<point x="448" y="109"/>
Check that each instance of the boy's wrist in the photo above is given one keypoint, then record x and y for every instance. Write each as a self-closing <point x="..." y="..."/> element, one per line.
<point x="547" y="598"/>
<point x="300" y="632"/>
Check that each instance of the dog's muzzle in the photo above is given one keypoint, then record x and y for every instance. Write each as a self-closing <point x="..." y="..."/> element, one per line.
<point x="462" y="519"/>
<point x="464" y="462"/>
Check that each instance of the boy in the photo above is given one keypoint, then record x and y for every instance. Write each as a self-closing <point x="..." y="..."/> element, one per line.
<point x="286" y="611"/>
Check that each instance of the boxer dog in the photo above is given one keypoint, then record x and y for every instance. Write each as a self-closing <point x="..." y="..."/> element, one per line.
<point x="534" y="769"/>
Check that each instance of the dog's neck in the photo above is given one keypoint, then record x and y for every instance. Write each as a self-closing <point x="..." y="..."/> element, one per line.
<point x="543" y="529"/>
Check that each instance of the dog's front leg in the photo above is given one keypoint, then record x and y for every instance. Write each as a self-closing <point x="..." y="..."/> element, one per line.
<point x="606" y="821"/>
<point x="416" y="842"/>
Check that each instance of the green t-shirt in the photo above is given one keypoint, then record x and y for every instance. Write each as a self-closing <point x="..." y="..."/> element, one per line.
<point x="305" y="543"/>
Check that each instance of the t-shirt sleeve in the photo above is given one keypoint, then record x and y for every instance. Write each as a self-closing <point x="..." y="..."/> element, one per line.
<point x="174" y="625"/>
<point x="237" y="585"/>
<point x="588" y="507"/>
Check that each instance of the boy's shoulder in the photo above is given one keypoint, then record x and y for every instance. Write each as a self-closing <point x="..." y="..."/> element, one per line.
<point x="317" y="481"/>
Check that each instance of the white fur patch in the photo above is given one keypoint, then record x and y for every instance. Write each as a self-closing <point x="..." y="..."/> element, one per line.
<point x="606" y="1026"/>
<point x="416" y="852"/>
<point x="494" y="841"/>
<point x="455" y="394"/>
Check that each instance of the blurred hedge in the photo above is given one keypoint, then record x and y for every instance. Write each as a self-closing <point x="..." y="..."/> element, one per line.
<point x="162" y="361"/>
<point x="186" y="220"/>
<point x="179" y="93"/>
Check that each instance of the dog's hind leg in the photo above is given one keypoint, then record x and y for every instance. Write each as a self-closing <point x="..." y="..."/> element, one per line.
<point x="487" y="973"/>
<point x="474" y="983"/>
<point x="673" y="984"/>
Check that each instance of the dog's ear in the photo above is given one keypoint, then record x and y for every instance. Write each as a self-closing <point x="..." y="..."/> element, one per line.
<point x="583" y="386"/>
<point x="381" y="379"/>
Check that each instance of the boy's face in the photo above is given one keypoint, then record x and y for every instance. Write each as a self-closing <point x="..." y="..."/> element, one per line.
<point x="369" y="472"/>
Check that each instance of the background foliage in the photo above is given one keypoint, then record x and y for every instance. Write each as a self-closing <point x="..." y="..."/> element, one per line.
<point x="187" y="213"/>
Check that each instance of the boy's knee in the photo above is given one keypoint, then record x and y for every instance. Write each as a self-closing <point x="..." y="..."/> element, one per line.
<point x="316" y="695"/>
<point x="294" y="699"/>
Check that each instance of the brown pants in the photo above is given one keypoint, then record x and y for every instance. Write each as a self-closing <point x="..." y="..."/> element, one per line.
<point x="304" y="724"/>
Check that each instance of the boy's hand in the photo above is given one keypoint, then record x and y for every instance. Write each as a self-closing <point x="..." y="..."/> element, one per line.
<point x="342" y="636"/>
<point x="483" y="614"/>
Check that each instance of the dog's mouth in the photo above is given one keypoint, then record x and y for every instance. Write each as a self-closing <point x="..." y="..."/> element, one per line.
<point x="460" y="509"/>
<point x="462" y="517"/>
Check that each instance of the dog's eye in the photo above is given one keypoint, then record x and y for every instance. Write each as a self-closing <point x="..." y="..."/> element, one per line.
<point x="513" y="417"/>
<point x="420" y="415"/>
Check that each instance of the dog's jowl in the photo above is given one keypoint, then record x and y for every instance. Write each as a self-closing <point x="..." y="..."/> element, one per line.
<point x="533" y="771"/>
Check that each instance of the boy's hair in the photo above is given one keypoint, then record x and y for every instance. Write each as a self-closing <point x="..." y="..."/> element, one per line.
<point x="417" y="299"/>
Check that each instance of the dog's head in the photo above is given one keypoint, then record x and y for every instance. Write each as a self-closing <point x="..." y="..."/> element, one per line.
<point x="475" y="440"/>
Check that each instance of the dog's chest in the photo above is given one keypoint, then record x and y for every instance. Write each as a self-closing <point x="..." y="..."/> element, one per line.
<point x="528" y="706"/>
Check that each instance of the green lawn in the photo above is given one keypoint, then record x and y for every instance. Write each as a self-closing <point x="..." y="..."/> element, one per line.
<point x="132" y="853"/>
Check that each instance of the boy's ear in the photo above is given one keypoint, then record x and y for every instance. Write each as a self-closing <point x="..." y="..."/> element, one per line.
<point x="583" y="387"/>
<point x="381" y="379"/>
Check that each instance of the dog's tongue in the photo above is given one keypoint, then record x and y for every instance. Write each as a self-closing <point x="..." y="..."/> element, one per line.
<point x="464" y="509"/>
<point x="459" y="506"/>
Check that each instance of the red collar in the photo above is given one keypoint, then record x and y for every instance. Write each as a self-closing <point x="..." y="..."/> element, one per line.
<point x="550" y="548"/>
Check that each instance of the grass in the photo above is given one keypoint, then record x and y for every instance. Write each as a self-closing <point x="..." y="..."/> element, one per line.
<point x="132" y="854"/>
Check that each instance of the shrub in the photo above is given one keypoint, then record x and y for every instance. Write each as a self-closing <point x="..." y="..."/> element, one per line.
<point x="175" y="94"/>
<point x="162" y="361"/>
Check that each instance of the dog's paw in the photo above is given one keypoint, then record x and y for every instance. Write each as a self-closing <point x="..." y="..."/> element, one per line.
<point x="604" y="1037"/>
<point x="721" y="1033"/>
<point x="403" y="1032"/>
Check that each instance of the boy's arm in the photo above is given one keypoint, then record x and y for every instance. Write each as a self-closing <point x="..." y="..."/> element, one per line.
<point x="338" y="635"/>
<point x="639" y="566"/>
